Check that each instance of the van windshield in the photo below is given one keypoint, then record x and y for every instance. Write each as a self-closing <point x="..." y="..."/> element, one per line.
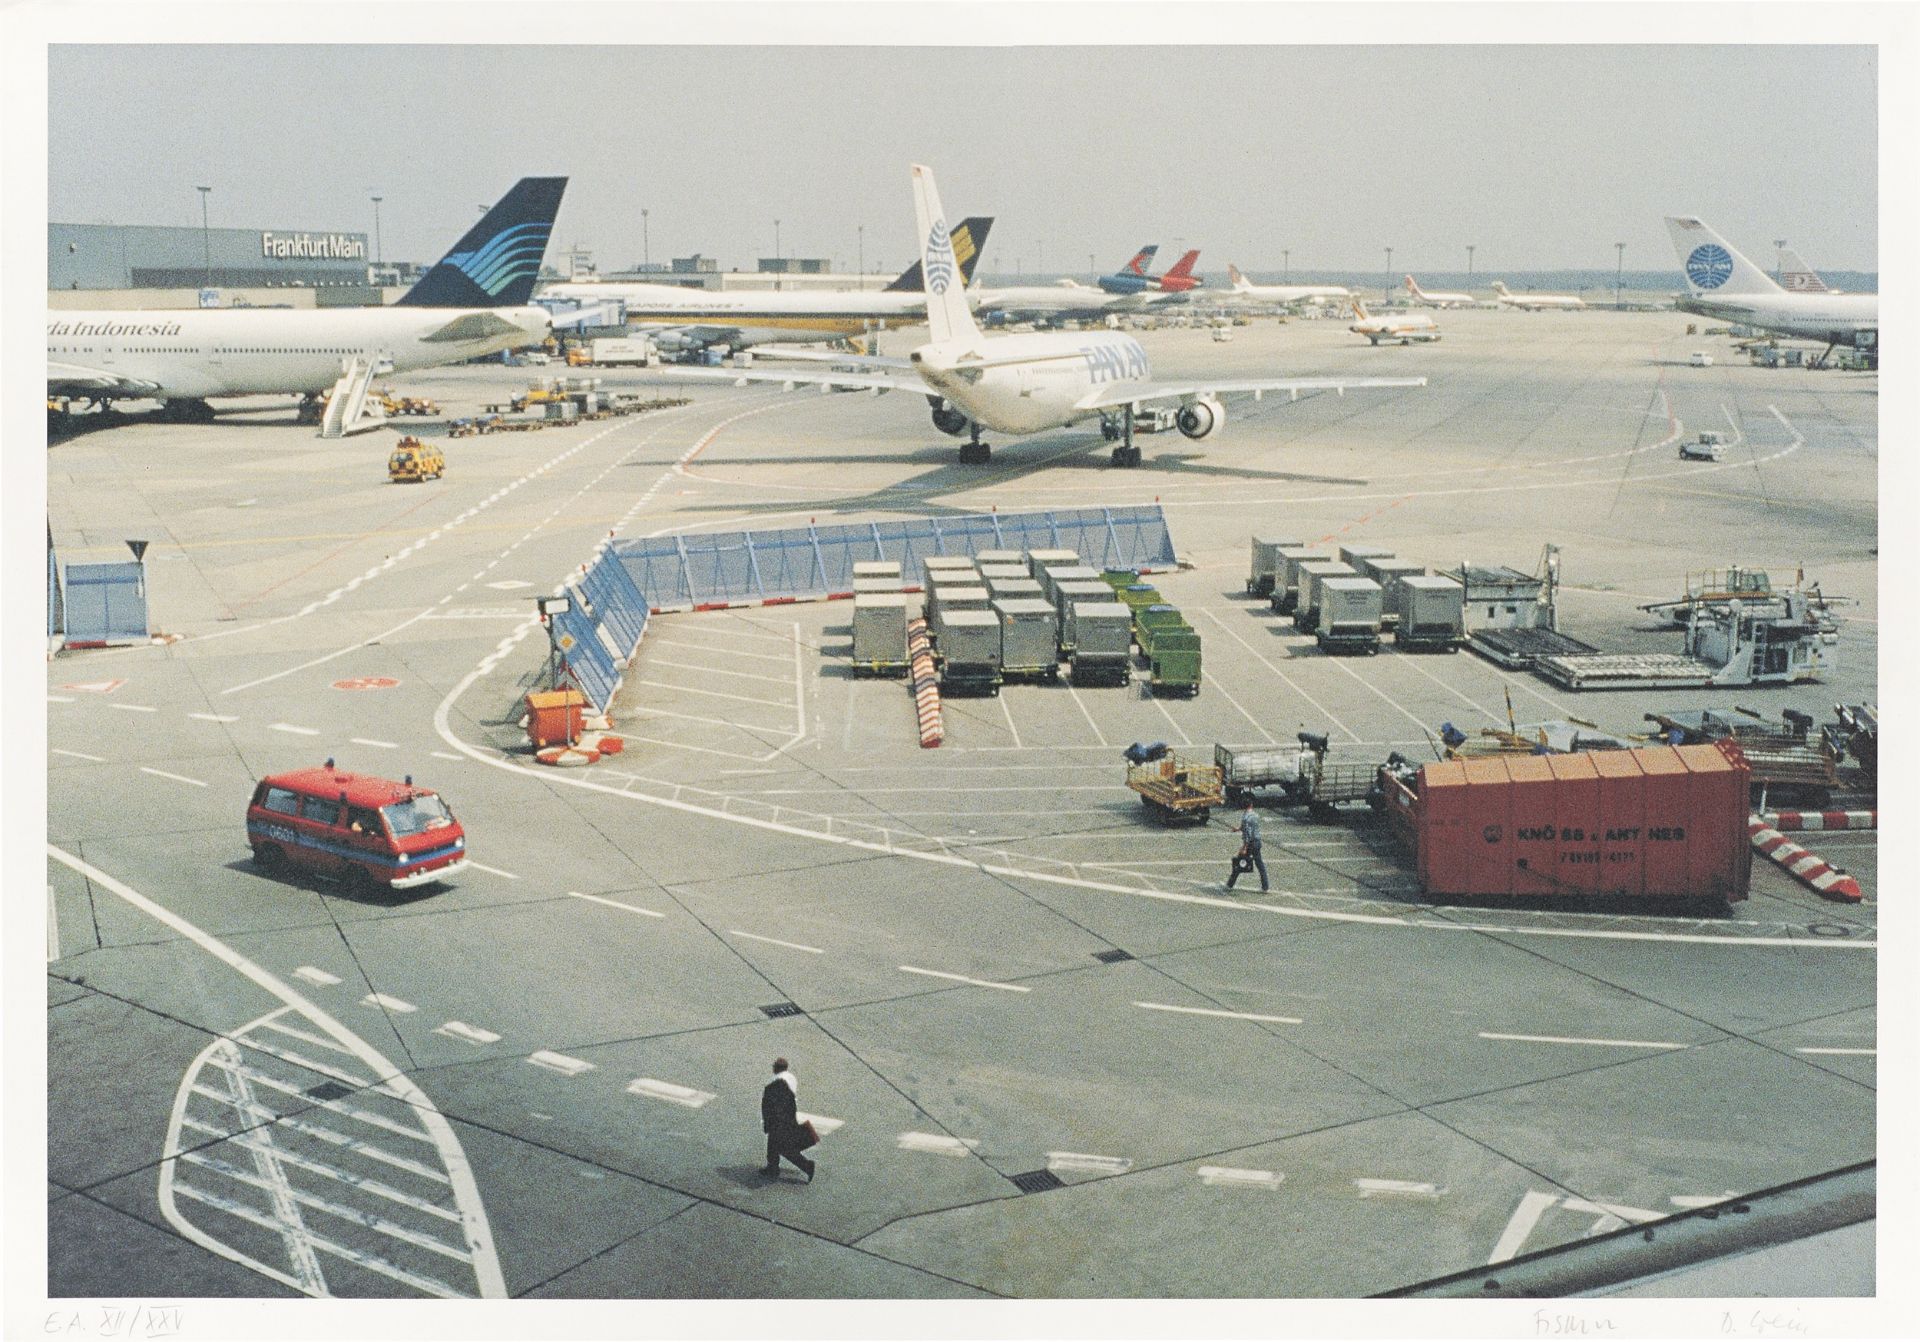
<point x="417" y="815"/>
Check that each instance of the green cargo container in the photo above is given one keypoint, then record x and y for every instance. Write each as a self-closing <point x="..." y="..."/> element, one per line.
<point x="1137" y="598"/>
<point x="1175" y="665"/>
<point x="1119" y="578"/>
<point x="1153" y="623"/>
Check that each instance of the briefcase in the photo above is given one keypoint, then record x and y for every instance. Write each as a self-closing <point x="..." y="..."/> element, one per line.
<point x="1242" y="864"/>
<point x="805" y="1135"/>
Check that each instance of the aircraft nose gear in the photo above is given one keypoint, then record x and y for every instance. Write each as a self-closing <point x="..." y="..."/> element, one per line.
<point x="1126" y="454"/>
<point x="973" y="452"/>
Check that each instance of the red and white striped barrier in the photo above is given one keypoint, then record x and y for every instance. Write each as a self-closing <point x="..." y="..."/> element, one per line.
<point x="926" y="685"/>
<point x="1823" y="820"/>
<point x="1806" y="868"/>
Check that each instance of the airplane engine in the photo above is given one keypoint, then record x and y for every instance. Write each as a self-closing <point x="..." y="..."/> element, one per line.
<point x="947" y="419"/>
<point x="1201" y="418"/>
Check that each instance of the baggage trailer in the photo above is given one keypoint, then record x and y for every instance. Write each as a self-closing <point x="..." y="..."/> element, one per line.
<point x="1432" y="614"/>
<point x="1302" y="774"/>
<point x="1176" y="787"/>
<point x="880" y="634"/>
<point x="970" y="652"/>
<point x="1154" y="621"/>
<point x="1029" y="638"/>
<point x="1787" y="760"/>
<point x="1665" y="823"/>
<point x="1174" y="667"/>
<point x="1306" y="605"/>
<point x="1286" y="582"/>
<point x="1102" y="650"/>
<point x="1349" y="617"/>
<point x="1267" y="565"/>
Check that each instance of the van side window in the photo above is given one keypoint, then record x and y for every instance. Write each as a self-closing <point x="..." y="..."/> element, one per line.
<point x="362" y="821"/>
<point x="281" y="800"/>
<point x="319" y="810"/>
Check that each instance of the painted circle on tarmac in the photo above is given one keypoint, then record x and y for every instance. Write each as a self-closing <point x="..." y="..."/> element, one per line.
<point x="366" y="683"/>
<point x="1829" y="930"/>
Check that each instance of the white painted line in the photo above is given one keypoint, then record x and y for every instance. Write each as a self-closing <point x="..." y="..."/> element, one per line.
<point x="133" y="708"/>
<point x="1533" y="1206"/>
<point x="1396" y="1188"/>
<point x="382" y="745"/>
<point x="492" y="871"/>
<point x="685" y="1096"/>
<point x="1688" y="1203"/>
<point x="289" y="727"/>
<point x="616" y="904"/>
<point x="473" y="1034"/>
<point x="59" y="698"/>
<point x="559" y="1062"/>
<point x="386" y="1003"/>
<point x="822" y="1124"/>
<point x="1842" y="1052"/>
<point x="316" y="976"/>
<point x="1215" y="1176"/>
<point x="53" y="928"/>
<point x="1011" y="729"/>
<point x="936" y="1144"/>
<point x="774" y="941"/>
<point x="178" y="778"/>
<point x="213" y="717"/>
<point x="443" y="755"/>
<point x="1562" y="1039"/>
<point x="1075" y="1162"/>
<point x="76" y="754"/>
<point x="962" y="978"/>
<point x="1208" y="1011"/>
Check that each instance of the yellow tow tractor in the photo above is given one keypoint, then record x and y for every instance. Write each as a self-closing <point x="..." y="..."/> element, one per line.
<point x="413" y="461"/>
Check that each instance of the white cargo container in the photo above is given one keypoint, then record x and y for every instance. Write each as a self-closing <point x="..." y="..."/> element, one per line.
<point x="1432" y="613"/>
<point x="1029" y="637"/>
<point x="1102" y="633"/>
<point x="615" y="351"/>
<point x="865" y="585"/>
<point x="1388" y="573"/>
<point x="1286" y="582"/>
<point x="1015" y="587"/>
<point x="1266" y="565"/>
<point x="954" y="596"/>
<point x="1349" y="615"/>
<point x="1051" y="576"/>
<point x="1068" y="595"/>
<point x="1043" y="559"/>
<point x="1306" y="606"/>
<point x="876" y="568"/>
<point x="985" y="557"/>
<point x="934" y="563"/>
<point x="1355" y="556"/>
<point x="879" y="633"/>
<point x="992" y="571"/>
<point x="970" y="652"/>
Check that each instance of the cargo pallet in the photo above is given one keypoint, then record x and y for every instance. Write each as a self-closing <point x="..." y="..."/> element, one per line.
<point x="1032" y="674"/>
<point x="1407" y="642"/>
<point x="1627" y="671"/>
<point x="1177" y="788"/>
<point x="880" y="668"/>
<point x="1519" y="649"/>
<point x="1348" y="645"/>
<point x="1100" y="670"/>
<point x="960" y="682"/>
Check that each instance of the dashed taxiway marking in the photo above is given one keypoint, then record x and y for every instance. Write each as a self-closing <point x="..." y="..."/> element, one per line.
<point x="76" y="754"/>
<point x="293" y="730"/>
<point x="1209" y="1011"/>
<point x="684" y="1096"/>
<point x="491" y="871"/>
<point x="386" y="1003"/>
<point x="775" y="941"/>
<point x="1078" y="1163"/>
<point x="822" y="1124"/>
<point x="1842" y="1052"/>
<point x="559" y="1062"/>
<point x="213" y="717"/>
<point x="962" y="978"/>
<point x="59" y="698"/>
<point x="178" y="778"/>
<point x="134" y="708"/>
<point x="380" y="745"/>
<point x="443" y="755"/>
<point x="1218" y="1176"/>
<point x="938" y="1144"/>
<point x="615" y="904"/>
<point x="472" y="1034"/>
<point x="1397" y="1188"/>
<point x="1563" y="1039"/>
<point x="316" y="976"/>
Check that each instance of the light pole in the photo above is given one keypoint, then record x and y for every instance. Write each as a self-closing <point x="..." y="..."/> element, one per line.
<point x="1386" y="289"/>
<point x="1779" y="245"/>
<point x="1619" y="269"/>
<point x="1093" y="265"/>
<point x="206" y="237"/>
<point x="377" y="257"/>
<point x="776" y="240"/>
<point x="1041" y="265"/>
<point x="1286" y="264"/>
<point x="862" y="231"/>
<point x="646" y="243"/>
<point x="1470" y="247"/>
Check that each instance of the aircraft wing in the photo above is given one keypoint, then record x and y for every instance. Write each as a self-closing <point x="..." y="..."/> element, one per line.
<point x="1139" y="393"/>
<point x="69" y="378"/>
<point x="839" y="358"/>
<point x="691" y="331"/>
<point x="875" y="379"/>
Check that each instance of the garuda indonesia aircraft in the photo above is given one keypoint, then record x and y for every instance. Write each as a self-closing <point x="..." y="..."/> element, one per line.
<point x="1021" y="384"/>
<point x="474" y="302"/>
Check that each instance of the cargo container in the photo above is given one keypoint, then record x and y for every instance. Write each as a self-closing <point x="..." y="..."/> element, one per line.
<point x="1286" y="582"/>
<point x="1119" y="578"/>
<point x="1175" y="665"/>
<point x="862" y="586"/>
<point x="946" y="599"/>
<point x="880" y="633"/>
<point x="1667" y="822"/>
<point x="1052" y="575"/>
<point x="1431" y="614"/>
<point x="992" y="571"/>
<point x="1356" y="556"/>
<point x="1266" y="566"/>
<point x="613" y="351"/>
<point x="1152" y="622"/>
<point x="1349" y="620"/>
<point x="1306" y="605"/>
<point x="1029" y="638"/>
<point x="1021" y="588"/>
<point x="876" y="568"/>
<point x="1067" y="595"/>
<point x="970" y="652"/>
<point x="948" y="579"/>
<point x="986" y="557"/>
<point x="1038" y="560"/>
<point x="1102" y="646"/>
<point x="1137" y="598"/>
<point x="1388" y="571"/>
<point x="932" y="564"/>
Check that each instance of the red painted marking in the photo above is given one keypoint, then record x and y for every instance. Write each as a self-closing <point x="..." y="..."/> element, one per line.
<point x="779" y="601"/>
<point x="93" y="686"/>
<point x="839" y="596"/>
<point x="367" y="683"/>
<point x="86" y="643"/>
<point x="710" y="605"/>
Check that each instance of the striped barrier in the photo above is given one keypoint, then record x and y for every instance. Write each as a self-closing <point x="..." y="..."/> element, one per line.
<point x="926" y="685"/>
<point x="1823" y="820"/>
<point x="1806" y="868"/>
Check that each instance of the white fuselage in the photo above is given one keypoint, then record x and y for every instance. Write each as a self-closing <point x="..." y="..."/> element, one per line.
<point x="1540" y="302"/>
<point x="1829" y="317"/>
<point x="1279" y="293"/>
<point x="1063" y="297"/>
<point x="1036" y="381"/>
<point x="1403" y="326"/>
<point x="1425" y="299"/>
<point x="760" y="317"/>
<point x="192" y="353"/>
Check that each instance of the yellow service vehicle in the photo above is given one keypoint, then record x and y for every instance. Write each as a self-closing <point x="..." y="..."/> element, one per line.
<point x="413" y="461"/>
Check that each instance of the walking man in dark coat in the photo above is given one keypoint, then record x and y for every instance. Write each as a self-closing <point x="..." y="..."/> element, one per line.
<point x="1249" y="854"/>
<point x="780" y="1120"/>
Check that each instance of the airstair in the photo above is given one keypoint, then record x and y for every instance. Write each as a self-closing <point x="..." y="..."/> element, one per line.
<point x="350" y="408"/>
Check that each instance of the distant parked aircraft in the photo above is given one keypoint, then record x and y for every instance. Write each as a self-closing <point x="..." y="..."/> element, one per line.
<point x="1404" y="327"/>
<point x="1724" y="285"/>
<point x="1438" y="300"/>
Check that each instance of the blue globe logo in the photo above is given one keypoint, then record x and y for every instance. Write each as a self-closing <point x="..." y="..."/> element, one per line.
<point x="939" y="258"/>
<point x="1709" y="266"/>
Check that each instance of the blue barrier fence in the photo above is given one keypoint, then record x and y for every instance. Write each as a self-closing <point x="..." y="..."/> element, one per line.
<point x="106" y="603"/>
<point x="629" y="579"/>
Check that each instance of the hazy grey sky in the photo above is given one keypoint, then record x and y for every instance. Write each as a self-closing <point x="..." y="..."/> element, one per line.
<point x="1542" y="156"/>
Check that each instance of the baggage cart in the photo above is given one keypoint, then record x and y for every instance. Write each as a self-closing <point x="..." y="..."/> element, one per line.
<point x="1266" y="564"/>
<point x="1174" y="667"/>
<point x="1286" y="583"/>
<point x="1029" y="638"/>
<point x="1301" y="774"/>
<point x="1176" y="788"/>
<point x="1154" y="621"/>
<point x="1306" y="605"/>
<point x="880" y="634"/>
<point x="1102" y="643"/>
<point x="1067" y="595"/>
<point x="1349" y="616"/>
<point x="969" y="648"/>
<point x="1432" y="614"/>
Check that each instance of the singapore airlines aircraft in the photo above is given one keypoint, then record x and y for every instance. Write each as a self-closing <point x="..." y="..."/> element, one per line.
<point x="474" y="302"/>
<point x="679" y="318"/>
<point x="1534" y="302"/>
<point x="1404" y="327"/>
<point x="1021" y="384"/>
<point x="1438" y="300"/>
<point x="1724" y="285"/>
<point x="1245" y="291"/>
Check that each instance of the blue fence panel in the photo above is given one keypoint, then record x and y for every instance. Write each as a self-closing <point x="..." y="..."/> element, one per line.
<point x="587" y="658"/>
<point x="617" y="603"/>
<point x="106" y="603"/>
<point x="56" y="611"/>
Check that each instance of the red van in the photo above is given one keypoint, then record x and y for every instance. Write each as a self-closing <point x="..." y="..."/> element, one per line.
<point x="354" y="827"/>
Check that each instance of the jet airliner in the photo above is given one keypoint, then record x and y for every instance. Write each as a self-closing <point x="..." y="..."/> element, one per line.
<point x="1438" y="300"/>
<point x="1534" y="302"/>
<point x="1724" y="285"/>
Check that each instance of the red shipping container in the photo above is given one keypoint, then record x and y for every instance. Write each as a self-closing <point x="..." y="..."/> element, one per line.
<point x="1662" y="823"/>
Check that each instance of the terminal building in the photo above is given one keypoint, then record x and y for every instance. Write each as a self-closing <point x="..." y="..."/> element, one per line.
<point x="118" y="265"/>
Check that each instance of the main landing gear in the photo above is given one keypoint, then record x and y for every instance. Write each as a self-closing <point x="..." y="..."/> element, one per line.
<point x="1121" y="426"/>
<point x="186" y="411"/>
<point x="973" y="452"/>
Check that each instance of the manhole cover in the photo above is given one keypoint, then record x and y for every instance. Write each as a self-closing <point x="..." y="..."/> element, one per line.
<point x="779" y="1009"/>
<point x="1829" y="930"/>
<point x="329" y="1090"/>
<point x="1112" y="957"/>
<point x="1036" y="1181"/>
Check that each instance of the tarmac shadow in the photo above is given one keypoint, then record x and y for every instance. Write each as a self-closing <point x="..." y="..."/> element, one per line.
<point x="317" y="884"/>
<point x="747" y="1176"/>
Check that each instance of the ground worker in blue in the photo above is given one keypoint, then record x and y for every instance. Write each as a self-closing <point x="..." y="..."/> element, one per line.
<point x="1248" y="858"/>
